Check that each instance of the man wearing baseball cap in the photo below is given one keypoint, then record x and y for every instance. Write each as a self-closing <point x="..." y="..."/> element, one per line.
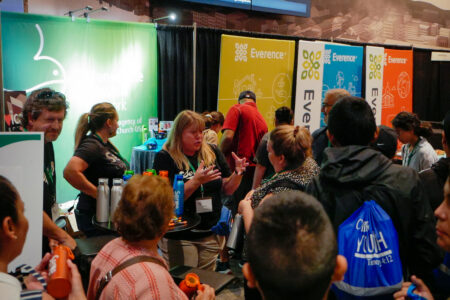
<point x="242" y="131"/>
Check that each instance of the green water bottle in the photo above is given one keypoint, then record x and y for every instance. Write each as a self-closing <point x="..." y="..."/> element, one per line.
<point x="144" y="134"/>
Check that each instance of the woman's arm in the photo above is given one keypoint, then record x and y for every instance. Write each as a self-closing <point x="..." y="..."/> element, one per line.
<point x="246" y="210"/>
<point x="73" y="173"/>
<point x="230" y="184"/>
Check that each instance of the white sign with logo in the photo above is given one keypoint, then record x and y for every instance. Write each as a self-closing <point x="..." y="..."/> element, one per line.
<point x="374" y="79"/>
<point x="22" y="163"/>
<point x="309" y="84"/>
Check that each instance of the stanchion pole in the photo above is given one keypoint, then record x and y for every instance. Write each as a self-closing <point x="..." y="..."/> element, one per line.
<point x="194" y="64"/>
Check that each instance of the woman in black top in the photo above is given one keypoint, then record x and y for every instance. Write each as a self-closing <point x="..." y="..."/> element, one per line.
<point x="95" y="157"/>
<point x="205" y="173"/>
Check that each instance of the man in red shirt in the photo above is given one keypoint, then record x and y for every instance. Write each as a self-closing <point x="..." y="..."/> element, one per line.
<point x="243" y="129"/>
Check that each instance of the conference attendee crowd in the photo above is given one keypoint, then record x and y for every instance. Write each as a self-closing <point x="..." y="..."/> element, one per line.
<point x="295" y="190"/>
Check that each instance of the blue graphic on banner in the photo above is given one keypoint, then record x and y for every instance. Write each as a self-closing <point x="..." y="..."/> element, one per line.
<point x="342" y="69"/>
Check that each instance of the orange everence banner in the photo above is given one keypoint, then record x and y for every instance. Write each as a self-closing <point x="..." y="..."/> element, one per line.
<point x="397" y="84"/>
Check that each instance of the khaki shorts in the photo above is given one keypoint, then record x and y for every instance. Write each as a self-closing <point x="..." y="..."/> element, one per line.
<point x="200" y="253"/>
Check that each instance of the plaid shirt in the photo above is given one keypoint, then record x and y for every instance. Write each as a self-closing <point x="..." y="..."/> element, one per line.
<point x="143" y="280"/>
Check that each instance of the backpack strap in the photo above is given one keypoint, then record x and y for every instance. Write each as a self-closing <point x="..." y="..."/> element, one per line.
<point x="109" y="275"/>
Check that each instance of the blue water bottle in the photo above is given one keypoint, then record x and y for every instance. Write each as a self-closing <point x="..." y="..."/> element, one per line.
<point x="178" y="191"/>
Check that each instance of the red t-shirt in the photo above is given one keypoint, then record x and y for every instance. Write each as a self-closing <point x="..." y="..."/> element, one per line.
<point x="249" y="127"/>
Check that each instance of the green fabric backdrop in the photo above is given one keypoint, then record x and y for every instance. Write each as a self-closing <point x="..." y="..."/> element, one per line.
<point x="90" y="63"/>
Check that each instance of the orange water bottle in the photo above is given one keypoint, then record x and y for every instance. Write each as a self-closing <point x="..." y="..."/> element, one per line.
<point x="59" y="285"/>
<point x="164" y="174"/>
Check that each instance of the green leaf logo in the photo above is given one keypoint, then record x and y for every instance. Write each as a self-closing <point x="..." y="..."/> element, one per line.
<point x="375" y="66"/>
<point x="311" y="65"/>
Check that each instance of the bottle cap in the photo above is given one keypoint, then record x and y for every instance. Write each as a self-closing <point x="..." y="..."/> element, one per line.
<point x="103" y="181"/>
<point x="117" y="181"/>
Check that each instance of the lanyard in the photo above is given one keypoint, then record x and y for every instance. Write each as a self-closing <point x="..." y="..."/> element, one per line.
<point x="194" y="170"/>
<point x="411" y="154"/>
<point x="115" y="151"/>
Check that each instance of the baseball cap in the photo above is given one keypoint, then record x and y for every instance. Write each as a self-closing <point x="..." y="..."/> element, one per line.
<point x="386" y="142"/>
<point x="247" y="94"/>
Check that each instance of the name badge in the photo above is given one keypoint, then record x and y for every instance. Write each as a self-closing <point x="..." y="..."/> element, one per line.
<point x="203" y="205"/>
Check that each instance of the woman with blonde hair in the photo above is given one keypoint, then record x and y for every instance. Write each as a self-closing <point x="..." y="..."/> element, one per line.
<point x="141" y="218"/>
<point x="205" y="173"/>
<point x="290" y="154"/>
<point x="95" y="157"/>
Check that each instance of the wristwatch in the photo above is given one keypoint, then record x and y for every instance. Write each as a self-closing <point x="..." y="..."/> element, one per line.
<point x="239" y="173"/>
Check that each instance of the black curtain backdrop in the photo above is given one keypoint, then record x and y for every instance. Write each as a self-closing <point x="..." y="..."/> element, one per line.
<point x="208" y="64"/>
<point x="174" y="70"/>
<point x="431" y="86"/>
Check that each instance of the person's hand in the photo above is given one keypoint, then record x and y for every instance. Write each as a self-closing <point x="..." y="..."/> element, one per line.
<point x="77" y="292"/>
<point x="46" y="296"/>
<point x="421" y="289"/>
<point x="240" y="163"/>
<point x="246" y="203"/>
<point x="32" y="283"/>
<point x="68" y="241"/>
<point x="204" y="175"/>
<point x="207" y="293"/>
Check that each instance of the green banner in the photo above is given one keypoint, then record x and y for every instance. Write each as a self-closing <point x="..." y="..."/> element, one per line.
<point x="90" y="63"/>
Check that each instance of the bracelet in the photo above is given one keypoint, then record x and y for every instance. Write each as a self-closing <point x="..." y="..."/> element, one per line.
<point x="240" y="173"/>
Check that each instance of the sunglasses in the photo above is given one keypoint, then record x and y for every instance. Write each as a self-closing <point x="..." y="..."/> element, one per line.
<point x="50" y="95"/>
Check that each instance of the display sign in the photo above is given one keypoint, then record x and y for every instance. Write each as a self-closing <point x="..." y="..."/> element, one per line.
<point x="22" y="163"/>
<point x="374" y="79"/>
<point x="287" y="7"/>
<point x="342" y="69"/>
<point x="264" y="66"/>
<point x="397" y="84"/>
<point x="90" y="63"/>
<point x="309" y="84"/>
<point x="14" y="102"/>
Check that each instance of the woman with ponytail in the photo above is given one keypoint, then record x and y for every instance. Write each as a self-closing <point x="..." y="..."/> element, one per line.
<point x="95" y="157"/>
<point x="289" y="151"/>
<point x="417" y="153"/>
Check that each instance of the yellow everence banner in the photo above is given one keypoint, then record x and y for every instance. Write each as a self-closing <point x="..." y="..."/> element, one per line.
<point x="264" y="66"/>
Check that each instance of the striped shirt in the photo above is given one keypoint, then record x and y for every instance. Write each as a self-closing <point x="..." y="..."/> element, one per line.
<point x="144" y="280"/>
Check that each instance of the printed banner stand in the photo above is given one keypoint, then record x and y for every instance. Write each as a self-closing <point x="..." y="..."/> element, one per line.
<point x="22" y="163"/>
<point x="309" y="85"/>
<point x="374" y="79"/>
<point x="264" y="66"/>
<point x="342" y="69"/>
<point x="397" y="84"/>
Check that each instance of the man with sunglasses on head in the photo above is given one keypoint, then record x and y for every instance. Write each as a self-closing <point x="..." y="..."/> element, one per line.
<point x="320" y="139"/>
<point x="44" y="111"/>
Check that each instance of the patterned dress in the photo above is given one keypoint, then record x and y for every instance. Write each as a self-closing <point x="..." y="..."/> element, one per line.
<point x="296" y="179"/>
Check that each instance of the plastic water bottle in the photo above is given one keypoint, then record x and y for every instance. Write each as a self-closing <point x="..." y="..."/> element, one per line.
<point x="144" y="134"/>
<point x="178" y="191"/>
<point x="127" y="175"/>
<point x="116" y="194"/>
<point x="102" y="210"/>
